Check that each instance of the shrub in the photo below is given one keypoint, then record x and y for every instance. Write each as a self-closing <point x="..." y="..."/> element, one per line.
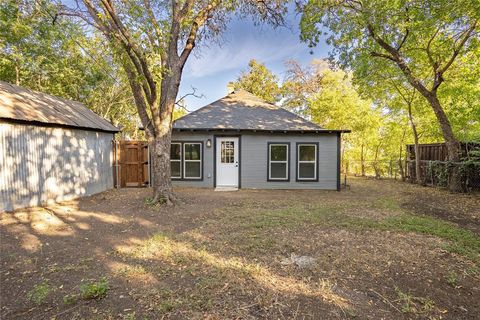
<point x="94" y="290"/>
<point x="39" y="292"/>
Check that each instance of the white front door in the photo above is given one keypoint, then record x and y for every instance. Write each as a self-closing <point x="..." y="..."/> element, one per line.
<point x="227" y="161"/>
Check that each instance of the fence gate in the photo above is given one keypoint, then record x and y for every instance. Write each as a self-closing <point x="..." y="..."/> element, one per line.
<point x="131" y="167"/>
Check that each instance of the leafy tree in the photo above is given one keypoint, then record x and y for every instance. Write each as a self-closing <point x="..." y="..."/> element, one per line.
<point x="152" y="41"/>
<point x="330" y="99"/>
<point x="46" y="52"/>
<point x="300" y="83"/>
<point x="260" y="81"/>
<point x="42" y="54"/>
<point x="423" y="39"/>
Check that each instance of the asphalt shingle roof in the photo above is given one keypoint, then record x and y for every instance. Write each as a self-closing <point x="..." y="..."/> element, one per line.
<point x="242" y="110"/>
<point x="22" y="104"/>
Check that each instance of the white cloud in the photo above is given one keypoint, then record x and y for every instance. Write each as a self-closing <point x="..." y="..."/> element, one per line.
<point x="242" y="44"/>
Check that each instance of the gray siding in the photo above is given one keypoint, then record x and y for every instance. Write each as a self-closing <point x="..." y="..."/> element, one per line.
<point x="208" y="173"/>
<point x="254" y="160"/>
<point x="41" y="164"/>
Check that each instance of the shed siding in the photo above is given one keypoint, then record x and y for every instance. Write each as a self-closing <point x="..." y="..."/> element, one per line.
<point x="254" y="163"/>
<point x="41" y="164"/>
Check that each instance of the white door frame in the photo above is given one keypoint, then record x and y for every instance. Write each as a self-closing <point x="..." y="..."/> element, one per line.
<point x="230" y="167"/>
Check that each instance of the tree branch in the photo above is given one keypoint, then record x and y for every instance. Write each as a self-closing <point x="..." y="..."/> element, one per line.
<point x="398" y="59"/>
<point x="382" y="55"/>
<point x="140" y="62"/>
<point x="190" y="94"/>
<point x="459" y="48"/>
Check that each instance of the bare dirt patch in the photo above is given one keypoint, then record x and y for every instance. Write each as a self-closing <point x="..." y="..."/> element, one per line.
<point x="378" y="254"/>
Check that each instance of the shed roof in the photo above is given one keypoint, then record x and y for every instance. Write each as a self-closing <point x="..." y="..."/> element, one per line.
<point x="241" y="110"/>
<point x="21" y="104"/>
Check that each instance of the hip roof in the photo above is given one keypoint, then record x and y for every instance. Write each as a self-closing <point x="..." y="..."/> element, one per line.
<point x="241" y="110"/>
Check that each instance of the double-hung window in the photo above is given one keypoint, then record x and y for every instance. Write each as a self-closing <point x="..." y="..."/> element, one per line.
<point x="278" y="164"/>
<point x="307" y="161"/>
<point x="176" y="160"/>
<point x="192" y="160"/>
<point x="186" y="160"/>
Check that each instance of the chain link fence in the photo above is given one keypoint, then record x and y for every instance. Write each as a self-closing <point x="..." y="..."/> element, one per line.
<point x="378" y="169"/>
<point x="438" y="173"/>
<point x="432" y="173"/>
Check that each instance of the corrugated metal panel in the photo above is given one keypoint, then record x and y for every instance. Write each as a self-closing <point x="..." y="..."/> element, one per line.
<point x="40" y="164"/>
<point x="18" y="103"/>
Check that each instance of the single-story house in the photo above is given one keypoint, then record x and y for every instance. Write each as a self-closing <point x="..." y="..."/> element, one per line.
<point x="241" y="141"/>
<point x="51" y="149"/>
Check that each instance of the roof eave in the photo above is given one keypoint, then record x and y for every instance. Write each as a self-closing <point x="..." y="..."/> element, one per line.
<point x="263" y="130"/>
<point x="56" y="125"/>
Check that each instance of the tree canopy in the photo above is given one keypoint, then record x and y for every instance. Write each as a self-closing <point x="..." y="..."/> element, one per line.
<point x="260" y="81"/>
<point x="44" y="51"/>
<point x="422" y="39"/>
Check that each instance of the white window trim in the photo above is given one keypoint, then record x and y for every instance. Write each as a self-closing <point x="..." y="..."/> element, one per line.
<point x="304" y="161"/>
<point x="185" y="161"/>
<point x="270" y="161"/>
<point x="178" y="160"/>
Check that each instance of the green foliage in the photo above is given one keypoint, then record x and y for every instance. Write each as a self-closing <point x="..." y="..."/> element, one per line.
<point x="259" y="81"/>
<point x="426" y="35"/>
<point x="39" y="292"/>
<point x="50" y="53"/>
<point x="412" y="304"/>
<point x="452" y="278"/>
<point x="438" y="172"/>
<point x="94" y="290"/>
<point x="329" y="98"/>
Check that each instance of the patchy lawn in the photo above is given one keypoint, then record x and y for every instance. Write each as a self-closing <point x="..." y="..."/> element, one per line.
<point x="382" y="249"/>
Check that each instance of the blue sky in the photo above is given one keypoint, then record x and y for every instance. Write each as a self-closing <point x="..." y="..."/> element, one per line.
<point x="213" y="65"/>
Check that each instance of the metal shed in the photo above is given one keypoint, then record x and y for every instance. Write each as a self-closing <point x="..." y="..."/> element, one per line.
<point x="51" y="149"/>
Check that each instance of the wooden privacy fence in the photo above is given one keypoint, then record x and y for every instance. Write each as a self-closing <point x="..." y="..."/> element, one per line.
<point x="131" y="164"/>
<point x="438" y="151"/>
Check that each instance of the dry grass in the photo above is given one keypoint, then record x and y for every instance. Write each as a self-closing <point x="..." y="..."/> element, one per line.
<point x="219" y="255"/>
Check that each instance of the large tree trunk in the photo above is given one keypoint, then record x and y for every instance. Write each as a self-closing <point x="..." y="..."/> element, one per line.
<point x="453" y="147"/>
<point x="162" y="186"/>
<point x="160" y="144"/>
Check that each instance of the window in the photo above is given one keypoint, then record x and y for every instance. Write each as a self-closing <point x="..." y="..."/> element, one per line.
<point x="176" y="160"/>
<point x="307" y="161"/>
<point x="227" y="152"/>
<point x="186" y="160"/>
<point x="278" y="166"/>
<point x="192" y="160"/>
